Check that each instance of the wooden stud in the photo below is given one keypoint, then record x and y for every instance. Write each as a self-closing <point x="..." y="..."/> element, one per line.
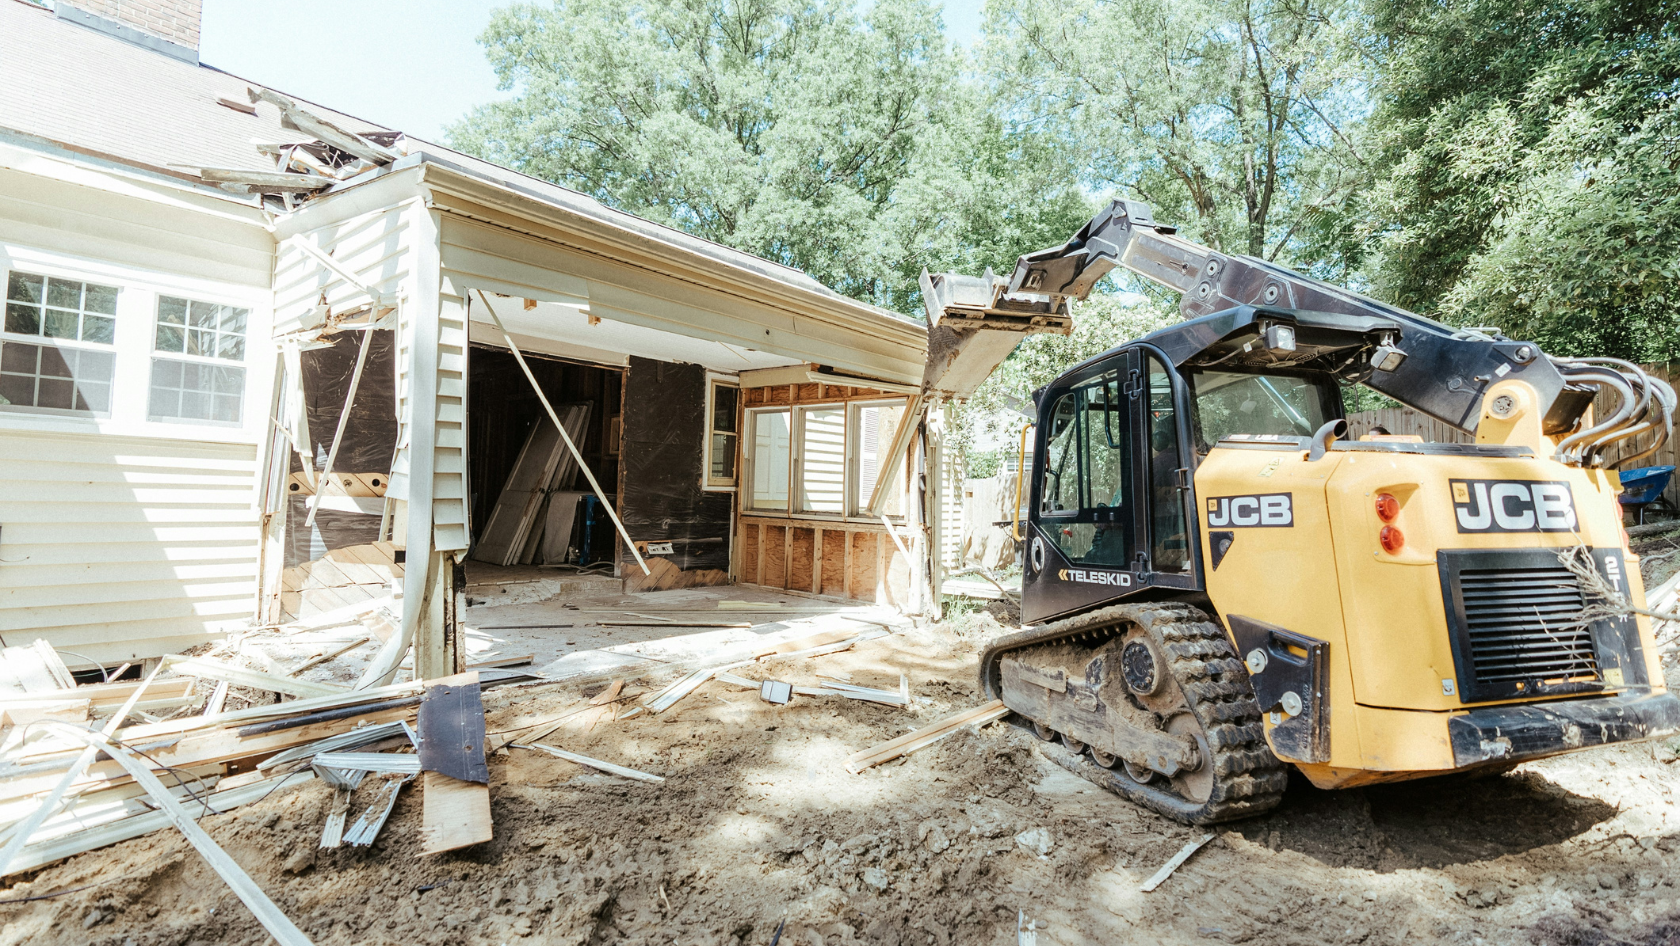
<point x="817" y="558"/>
<point x="922" y="738"/>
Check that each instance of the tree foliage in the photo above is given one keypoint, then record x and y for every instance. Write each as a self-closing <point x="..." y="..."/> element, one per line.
<point x="1528" y="153"/>
<point x="1232" y="117"/>
<point x="846" y="144"/>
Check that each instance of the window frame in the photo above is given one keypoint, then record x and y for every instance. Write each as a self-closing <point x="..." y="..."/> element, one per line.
<point x="857" y="506"/>
<point x="751" y="461"/>
<point x="156" y="355"/>
<point x="852" y="506"/>
<point x="796" y="468"/>
<point x="41" y="340"/>
<point x="138" y="288"/>
<point x="708" y="482"/>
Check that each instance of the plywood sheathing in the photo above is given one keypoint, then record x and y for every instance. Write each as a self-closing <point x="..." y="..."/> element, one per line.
<point x="833" y="562"/>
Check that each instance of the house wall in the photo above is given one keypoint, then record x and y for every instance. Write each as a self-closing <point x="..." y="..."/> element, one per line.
<point x="122" y="537"/>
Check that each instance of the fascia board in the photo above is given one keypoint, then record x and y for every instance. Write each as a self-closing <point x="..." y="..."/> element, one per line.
<point x="18" y="153"/>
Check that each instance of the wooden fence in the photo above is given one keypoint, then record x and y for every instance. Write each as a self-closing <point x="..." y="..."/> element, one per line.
<point x="1404" y="420"/>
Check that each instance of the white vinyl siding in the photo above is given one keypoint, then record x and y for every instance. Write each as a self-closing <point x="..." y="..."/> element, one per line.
<point x="822" y="460"/>
<point x="124" y="547"/>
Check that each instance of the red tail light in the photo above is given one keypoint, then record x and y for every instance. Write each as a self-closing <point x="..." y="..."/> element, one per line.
<point x="1392" y="539"/>
<point x="1387" y="507"/>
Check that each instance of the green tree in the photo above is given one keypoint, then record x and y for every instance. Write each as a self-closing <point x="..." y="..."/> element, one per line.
<point x="1233" y="118"/>
<point x="849" y="145"/>
<point x="1527" y="154"/>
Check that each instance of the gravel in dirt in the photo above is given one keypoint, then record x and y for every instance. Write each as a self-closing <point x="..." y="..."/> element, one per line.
<point x="758" y="822"/>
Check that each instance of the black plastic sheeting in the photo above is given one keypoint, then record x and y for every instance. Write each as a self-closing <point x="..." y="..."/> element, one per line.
<point x="370" y="438"/>
<point x="334" y="529"/>
<point x="663" y="455"/>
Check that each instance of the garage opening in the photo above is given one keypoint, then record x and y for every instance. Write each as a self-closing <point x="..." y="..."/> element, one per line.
<point x="531" y="506"/>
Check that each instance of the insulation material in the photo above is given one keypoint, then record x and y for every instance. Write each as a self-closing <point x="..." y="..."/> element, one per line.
<point x="370" y="436"/>
<point x="662" y="454"/>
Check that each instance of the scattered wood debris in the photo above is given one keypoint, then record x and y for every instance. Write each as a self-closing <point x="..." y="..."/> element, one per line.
<point x="922" y="738"/>
<point x="1174" y="864"/>
<point x="607" y="767"/>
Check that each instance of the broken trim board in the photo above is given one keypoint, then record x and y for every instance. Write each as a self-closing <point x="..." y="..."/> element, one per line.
<point x="608" y="767"/>
<point x="239" y="676"/>
<point x="453" y="814"/>
<point x="922" y="738"/>
<point x="33" y="669"/>
<point x="1177" y="861"/>
<point x="270" y="916"/>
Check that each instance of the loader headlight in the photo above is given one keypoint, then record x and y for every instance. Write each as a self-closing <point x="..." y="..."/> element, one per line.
<point x="1280" y="337"/>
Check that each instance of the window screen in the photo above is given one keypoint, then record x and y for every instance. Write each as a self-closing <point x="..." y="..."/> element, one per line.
<point x="53" y="378"/>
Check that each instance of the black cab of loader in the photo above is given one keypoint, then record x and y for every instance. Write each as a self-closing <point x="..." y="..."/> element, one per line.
<point x="1112" y="512"/>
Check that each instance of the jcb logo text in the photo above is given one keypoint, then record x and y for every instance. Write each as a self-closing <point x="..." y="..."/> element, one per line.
<point x="1270" y="509"/>
<point x="1513" y="506"/>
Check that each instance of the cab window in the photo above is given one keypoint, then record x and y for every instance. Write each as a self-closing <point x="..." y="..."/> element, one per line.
<point x="1168" y="545"/>
<point x="1083" y="493"/>
<point x="1241" y="402"/>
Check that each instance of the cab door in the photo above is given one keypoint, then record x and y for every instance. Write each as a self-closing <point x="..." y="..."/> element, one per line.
<point x="1087" y="516"/>
<point x="1167" y="462"/>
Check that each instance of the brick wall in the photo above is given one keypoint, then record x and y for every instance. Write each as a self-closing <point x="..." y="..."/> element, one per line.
<point x="173" y="20"/>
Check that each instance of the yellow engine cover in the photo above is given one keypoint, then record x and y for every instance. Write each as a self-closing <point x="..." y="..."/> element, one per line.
<point x="1297" y="543"/>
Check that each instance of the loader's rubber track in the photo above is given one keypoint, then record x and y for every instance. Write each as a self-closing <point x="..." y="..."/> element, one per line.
<point x="1248" y="779"/>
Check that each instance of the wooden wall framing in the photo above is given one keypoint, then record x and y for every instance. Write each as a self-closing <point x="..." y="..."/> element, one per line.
<point x="835" y="558"/>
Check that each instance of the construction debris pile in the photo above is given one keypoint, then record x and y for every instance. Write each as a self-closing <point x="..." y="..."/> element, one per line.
<point x="329" y="154"/>
<point x="86" y="767"/>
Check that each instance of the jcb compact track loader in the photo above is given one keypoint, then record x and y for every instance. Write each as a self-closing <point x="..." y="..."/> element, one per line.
<point x="1217" y="582"/>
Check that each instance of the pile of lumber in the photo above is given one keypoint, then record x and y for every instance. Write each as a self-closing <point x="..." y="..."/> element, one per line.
<point x="83" y="767"/>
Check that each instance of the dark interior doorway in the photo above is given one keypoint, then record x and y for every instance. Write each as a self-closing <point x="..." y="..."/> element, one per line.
<point x="503" y="411"/>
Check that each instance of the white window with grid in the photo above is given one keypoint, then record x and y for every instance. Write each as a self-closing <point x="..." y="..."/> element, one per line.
<point x="57" y="345"/>
<point x="198" y="375"/>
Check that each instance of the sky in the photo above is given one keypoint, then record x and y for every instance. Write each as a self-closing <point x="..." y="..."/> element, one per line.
<point x="413" y="65"/>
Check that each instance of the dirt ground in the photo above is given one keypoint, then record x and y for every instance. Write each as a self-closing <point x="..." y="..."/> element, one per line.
<point x="758" y="822"/>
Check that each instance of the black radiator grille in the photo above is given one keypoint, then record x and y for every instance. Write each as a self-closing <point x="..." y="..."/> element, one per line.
<point x="1518" y="624"/>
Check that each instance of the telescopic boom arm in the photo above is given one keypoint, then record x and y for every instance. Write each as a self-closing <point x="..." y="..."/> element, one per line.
<point x="1435" y="369"/>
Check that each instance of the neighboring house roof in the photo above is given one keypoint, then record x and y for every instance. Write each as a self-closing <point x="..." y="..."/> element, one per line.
<point x="98" y="95"/>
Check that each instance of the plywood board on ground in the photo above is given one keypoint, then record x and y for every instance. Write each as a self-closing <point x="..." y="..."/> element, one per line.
<point x="453" y="814"/>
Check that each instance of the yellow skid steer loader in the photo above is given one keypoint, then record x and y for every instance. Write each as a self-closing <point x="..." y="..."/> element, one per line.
<point x="1218" y="582"/>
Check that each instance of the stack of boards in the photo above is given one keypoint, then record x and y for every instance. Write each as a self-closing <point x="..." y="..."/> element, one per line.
<point x="532" y="520"/>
